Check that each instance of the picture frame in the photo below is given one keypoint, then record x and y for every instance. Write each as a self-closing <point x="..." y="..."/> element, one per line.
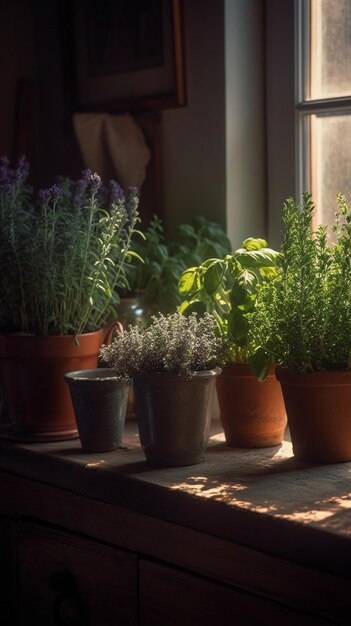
<point x="126" y="56"/>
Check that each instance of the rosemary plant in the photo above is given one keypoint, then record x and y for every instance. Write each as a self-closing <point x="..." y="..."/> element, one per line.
<point x="172" y="343"/>
<point x="302" y="317"/>
<point x="63" y="253"/>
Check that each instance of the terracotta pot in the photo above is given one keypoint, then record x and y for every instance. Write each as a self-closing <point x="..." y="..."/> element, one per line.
<point x="36" y="400"/>
<point x="174" y="416"/>
<point x="252" y="413"/>
<point x="319" y="414"/>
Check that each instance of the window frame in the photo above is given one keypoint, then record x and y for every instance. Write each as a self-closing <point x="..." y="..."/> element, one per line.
<point x="307" y="106"/>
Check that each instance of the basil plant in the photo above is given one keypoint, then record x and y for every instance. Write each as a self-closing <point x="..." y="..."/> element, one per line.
<point x="228" y="288"/>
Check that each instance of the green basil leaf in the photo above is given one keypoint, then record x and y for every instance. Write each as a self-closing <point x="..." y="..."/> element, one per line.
<point x="254" y="244"/>
<point x="213" y="277"/>
<point x="187" y="281"/>
<point x="265" y="257"/>
<point x="243" y="288"/>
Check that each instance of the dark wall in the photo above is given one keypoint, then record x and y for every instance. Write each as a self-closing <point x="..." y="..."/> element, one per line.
<point x="36" y="76"/>
<point x="37" y="119"/>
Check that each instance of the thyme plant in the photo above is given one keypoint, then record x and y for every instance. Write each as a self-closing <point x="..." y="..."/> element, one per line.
<point x="62" y="253"/>
<point x="172" y="343"/>
<point x="302" y="317"/>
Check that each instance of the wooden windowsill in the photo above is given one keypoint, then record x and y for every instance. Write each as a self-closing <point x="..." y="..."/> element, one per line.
<point x="258" y="498"/>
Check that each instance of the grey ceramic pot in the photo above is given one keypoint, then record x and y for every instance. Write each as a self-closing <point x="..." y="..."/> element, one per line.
<point x="174" y="416"/>
<point x="99" y="401"/>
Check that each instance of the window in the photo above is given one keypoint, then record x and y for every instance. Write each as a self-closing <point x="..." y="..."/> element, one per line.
<point x="324" y="101"/>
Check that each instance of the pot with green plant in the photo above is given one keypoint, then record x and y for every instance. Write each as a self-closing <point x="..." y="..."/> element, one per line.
<point x="252" y="414"/>
<point x="63" y="253"/>
<point x="153" y="284"/>
<point x="173" y="363"/>
<point x="302" y="322"/>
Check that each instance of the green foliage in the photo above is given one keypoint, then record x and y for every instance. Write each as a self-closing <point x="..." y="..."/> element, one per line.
<point x="63" y="253"/>
<point x="164" y="261"/>
<point x="302" y="317"/>
<point x="172" y="343"/>
<point x="228" y="287"/>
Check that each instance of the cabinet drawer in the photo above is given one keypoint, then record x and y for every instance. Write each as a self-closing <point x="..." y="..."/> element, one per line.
<point x="170" y="597"/>
<point x="8" y="588"/>
<point x="65" y="579"/>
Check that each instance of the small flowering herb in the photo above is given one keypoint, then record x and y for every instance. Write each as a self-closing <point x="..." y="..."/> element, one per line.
<point x="172" y="343"/>
<point x="63" y="252"/>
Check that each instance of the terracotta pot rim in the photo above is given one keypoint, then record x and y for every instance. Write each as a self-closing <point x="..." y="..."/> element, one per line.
<point x="35" y="347"/>
<point x="27" y="336"/>
<point x="332" y="378"/>
<point x="242" y="370"/>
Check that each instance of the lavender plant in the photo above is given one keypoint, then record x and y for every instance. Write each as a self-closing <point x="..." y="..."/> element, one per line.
<point x="172" y="343"/>
<point x="302" y="317"/>
<point x="63" y="252"/>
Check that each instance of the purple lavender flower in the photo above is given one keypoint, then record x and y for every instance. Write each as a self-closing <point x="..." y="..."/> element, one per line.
<point x="95" y="181"/>
<point x="132" y="203"/>
<point x="18" y="174"/>
<point x="116" y="192"/>
<point x="51" y="194"/>
<point x="86" y="175"/>
<point x="4" y="168"/>
<point x="134" y="191"/>
<point x="22" y="170"/>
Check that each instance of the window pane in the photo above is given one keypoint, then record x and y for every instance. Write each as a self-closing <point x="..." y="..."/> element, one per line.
<point x="330" y="162"/>
<point x="330" y="46"/>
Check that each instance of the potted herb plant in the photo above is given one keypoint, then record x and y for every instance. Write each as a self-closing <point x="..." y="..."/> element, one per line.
<point x="153" y="285"/>
<point x="63" y="253"/>
<point x="173" y="364"/>
<point x="302" y="322"/>
<point x="252" y="414"/>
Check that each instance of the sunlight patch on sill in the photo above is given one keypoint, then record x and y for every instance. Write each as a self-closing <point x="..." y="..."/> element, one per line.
<point x="344" y="501"/>
<point x="307" y="516"/>
<point x="204" y="488"/>
<point x="94" y="464"/>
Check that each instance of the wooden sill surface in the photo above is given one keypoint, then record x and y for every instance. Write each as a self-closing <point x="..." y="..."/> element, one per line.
<point x="259" y="498"/>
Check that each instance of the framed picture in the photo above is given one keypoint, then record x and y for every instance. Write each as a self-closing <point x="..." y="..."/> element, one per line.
<point x="126" y="55"/>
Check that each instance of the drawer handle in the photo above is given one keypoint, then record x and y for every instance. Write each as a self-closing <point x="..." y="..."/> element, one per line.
<point x="68" y="609"/>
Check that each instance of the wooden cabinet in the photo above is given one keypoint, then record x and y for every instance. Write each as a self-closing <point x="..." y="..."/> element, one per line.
<point x="170" y="597"/>
<point x="8" y="585"/>
<point x="97" y="540"/>
<point x="65" y="579"/>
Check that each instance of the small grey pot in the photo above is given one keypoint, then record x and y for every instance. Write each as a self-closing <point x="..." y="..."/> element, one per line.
<point x="99" y="400"/>
<point x="174" y="416"/>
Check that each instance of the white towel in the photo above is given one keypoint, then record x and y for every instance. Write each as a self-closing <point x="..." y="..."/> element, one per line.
<point x="113" y="146"/>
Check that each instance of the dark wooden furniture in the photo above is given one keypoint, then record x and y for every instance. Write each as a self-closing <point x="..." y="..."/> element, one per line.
<point x="245" y="538"/>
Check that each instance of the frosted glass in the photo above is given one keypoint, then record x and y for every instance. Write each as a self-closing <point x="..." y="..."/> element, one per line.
<point x="330" y="40"/>
<point x="330" y="162"/>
